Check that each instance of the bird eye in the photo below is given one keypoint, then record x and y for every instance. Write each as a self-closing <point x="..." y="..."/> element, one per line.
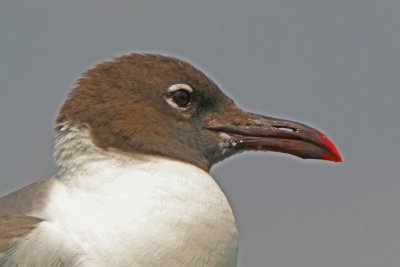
<point x="181" y="97"/>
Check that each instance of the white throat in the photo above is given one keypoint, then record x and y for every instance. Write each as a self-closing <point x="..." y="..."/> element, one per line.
<point x="124" y="210"/>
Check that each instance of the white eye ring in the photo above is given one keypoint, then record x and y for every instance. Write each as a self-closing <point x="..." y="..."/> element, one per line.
<point x="173" y="88"/>
<point x="179" y="86"/>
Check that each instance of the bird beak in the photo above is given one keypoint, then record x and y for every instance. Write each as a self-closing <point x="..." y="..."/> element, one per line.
<point x="255" y="132"/>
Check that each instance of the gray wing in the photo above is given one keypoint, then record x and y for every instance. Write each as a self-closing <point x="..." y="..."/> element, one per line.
<point x="15" y="208"/>
<point x="27" y="200"/>
<point x="16" y="221"/>
<point x="13" y="227"/>
<point x="14" y="231"/>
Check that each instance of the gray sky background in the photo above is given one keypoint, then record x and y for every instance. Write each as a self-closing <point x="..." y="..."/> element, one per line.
<point x="332" y="64"/>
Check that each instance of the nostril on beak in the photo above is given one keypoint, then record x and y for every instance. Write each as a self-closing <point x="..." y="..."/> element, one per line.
<point x="286" y="129"/>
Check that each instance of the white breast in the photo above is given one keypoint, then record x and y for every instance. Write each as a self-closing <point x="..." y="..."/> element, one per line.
<point x="150" y="211"/>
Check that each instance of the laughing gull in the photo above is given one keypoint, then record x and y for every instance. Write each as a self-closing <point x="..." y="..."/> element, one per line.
<point x="135" y="140"/>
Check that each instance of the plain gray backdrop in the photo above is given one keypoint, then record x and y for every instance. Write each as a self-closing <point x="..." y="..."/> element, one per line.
<point x="334" y="65"/>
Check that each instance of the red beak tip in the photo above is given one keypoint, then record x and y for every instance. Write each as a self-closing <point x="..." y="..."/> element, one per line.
<point x="329" y="157"/>
<point x="334" y="154"/>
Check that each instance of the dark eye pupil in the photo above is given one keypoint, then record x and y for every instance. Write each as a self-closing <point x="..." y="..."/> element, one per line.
<point x="181" y="97"/>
